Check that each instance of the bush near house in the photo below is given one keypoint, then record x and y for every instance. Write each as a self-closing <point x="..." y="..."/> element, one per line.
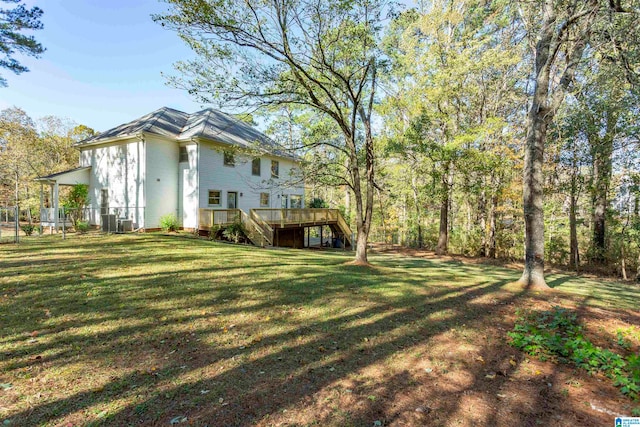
<point x="75" y="202"/>
<point x="169" y="223"/>
<point x="235" y="232"/>
<point x="82" y="227"/>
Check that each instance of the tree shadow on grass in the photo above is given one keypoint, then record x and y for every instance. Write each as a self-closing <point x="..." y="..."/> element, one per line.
<point x="233" y="345"/>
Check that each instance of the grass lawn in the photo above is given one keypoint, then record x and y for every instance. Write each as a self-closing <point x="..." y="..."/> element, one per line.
<point x="156" y="330"/>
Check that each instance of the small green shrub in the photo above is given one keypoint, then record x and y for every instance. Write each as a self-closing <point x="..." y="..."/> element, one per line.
<point x="76" y="201"/>
<point x="169" y="222"/>
<point x="556" y="334"/>
<point x="82" y="227"/>
<point x="234" y="232"/>
<point x="28" y="229"/>
<point x="215" y="232"/>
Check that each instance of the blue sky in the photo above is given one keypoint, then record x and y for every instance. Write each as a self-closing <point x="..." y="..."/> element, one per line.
<point x="102" y="66"/>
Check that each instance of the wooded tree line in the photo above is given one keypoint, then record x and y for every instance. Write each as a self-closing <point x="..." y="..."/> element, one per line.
<point x="34" y="148"/>
<point x="488" y="128"/>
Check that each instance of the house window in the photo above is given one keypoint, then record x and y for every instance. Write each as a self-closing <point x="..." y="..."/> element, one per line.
<point x="275" y="169"/>
<point x="255" y="167"/>
<point x="296" y="202"/>
<point x="214" y="197"/>
<point x="184" y="155"/>
<point x="264" y="199"/>
<point x="229" y="160"/>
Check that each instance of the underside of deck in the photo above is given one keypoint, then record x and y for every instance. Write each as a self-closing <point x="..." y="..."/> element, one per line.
<point x="282" y="227"/>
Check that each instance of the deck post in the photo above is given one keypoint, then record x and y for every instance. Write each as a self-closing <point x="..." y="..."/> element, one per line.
<point x="321" y="239"/>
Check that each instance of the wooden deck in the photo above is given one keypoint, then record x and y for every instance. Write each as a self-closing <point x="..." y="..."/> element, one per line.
<point x="262" y="224"/>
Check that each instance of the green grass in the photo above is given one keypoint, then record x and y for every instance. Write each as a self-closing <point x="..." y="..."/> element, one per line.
<point x="141" y="329"/>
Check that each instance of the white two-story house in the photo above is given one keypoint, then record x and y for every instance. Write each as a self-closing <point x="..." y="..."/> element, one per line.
<point x="171" y="162"/>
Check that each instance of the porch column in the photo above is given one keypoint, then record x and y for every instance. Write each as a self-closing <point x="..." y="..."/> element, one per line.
<point x="41" y="206"/>
<point x="56" y="204"/>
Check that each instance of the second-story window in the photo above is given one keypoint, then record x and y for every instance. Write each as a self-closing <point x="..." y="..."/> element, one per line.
<point x="275" y="169"/>
<point x="229" y="160"/>
<point x="184" y="155"/>
<point x="255" y="167"/>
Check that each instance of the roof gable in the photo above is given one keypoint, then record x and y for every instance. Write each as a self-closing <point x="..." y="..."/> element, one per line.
<point x="207" y="124"/>
<point x="164" y="121"/>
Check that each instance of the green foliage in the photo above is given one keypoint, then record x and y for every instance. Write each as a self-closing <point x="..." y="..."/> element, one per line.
<point x="169" y="223"/>
<point x="557" y="335"/>
<point x="82" y="227"/>
<point x="234" y="232"/>
<point x="215" y="232"/>
<point x="317" y="202"/>
<point x="556" y="250"/>
<point x="76" y="201"/>
<point x="12" y="23"/>
<point x="28" y="229"/>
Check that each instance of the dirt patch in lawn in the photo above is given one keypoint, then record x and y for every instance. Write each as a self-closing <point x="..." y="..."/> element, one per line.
<point x="154" y="330"/>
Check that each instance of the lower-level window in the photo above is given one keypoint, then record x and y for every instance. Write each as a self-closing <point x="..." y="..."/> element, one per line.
<point x="264" y="199"/>
<point x="296" y="202"/>
<point x="214" y="198"/>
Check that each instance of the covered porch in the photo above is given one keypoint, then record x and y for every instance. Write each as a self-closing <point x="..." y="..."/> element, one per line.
<point x="52" y="215"/>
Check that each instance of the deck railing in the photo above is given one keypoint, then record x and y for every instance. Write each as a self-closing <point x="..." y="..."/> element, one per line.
<point x="259" y="231"/>
<point x="220" y="217"/>
<point x="49" y="214"/>
<point x="297" y="216"/>
<point x="260" y="223"/>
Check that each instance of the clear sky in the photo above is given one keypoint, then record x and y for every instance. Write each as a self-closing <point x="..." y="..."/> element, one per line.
<point x="102" y="65"/>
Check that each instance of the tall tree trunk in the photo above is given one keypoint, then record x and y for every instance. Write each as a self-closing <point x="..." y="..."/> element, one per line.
<point x="602" y="152"/>
<point x="347" y="193"/>
<point x="533" y="274"/>
<point x="492" y="226"/>
<point x="482" y="212"/>
<point x="414" y="188"/>
<point x="574" y="250"/>
<point x="545" y="102"/>
<point x="623" y="262"/>
<point x="573" y="233"/>
<point x="443" y="237"/>
<point x="364" y="208"/>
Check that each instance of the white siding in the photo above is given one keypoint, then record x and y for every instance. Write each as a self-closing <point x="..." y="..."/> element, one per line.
<point x="188" y="189"/>
<point x="213" y="175"/>
<point x="162" y="180"/>
<point x="119" y="168"/>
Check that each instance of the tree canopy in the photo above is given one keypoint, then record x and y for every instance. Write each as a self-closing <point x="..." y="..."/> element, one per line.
<point x="13" y="23"/>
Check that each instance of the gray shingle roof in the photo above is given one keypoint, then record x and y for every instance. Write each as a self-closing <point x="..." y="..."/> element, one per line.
<point x="208" y="124"/>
